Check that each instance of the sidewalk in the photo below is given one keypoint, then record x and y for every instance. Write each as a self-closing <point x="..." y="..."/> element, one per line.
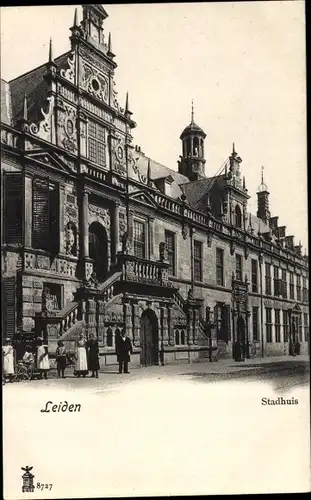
<point x="219" y="367"/>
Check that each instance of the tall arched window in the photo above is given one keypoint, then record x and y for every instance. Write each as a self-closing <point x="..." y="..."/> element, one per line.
<point x="177" y="339"/>
<point x="238" y="216"/>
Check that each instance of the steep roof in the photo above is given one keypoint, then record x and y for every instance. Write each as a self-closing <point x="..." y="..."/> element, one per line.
<point x="34" y="86"/>
<point x="158" y="171"/>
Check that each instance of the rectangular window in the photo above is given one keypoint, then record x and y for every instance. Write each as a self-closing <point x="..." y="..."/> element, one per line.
<point x="45" y="215"/>
<point x="284" y="284"/>
<point x="306" y="326"/>
<point x="285" y="325"/>
<point x="139" y="239"/>
<point x="269" y="324"/>
<point x="277" y="323"/>
<point x="276" y="281"/>
<point x="255" y="317"/>
<point x="298" y="288"/>
<point x="197" y="260"/>
<point x="254" y="276"/>
<point x="13" y="208"/>
<point x="268" y="278"/>
<point x="219" y="266"/>
<point x="238" y="267"/>
<point x="96" y="143"/>
<point x="291" y="286"/>
<point x="170" y="247"/>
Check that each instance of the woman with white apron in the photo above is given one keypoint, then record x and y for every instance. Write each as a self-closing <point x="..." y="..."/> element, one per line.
<point x="81" y="367"/>
<point x="43" y="362"/>
<point x="8" y="360"/>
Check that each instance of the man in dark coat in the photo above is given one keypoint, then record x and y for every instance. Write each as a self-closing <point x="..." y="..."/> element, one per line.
<point x="123" y="349"/>
<point x="93" y="355"/>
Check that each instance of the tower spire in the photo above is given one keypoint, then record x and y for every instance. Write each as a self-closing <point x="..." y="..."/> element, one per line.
<point x="233" y="149"/>
<point x="192" y="112"/>
<point x="262" y="169"/>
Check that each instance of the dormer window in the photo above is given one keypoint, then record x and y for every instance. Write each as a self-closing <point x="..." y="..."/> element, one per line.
<point x="238" y="216"/>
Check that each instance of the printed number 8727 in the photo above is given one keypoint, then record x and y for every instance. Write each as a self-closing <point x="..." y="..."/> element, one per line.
<point x="42" y="486"/>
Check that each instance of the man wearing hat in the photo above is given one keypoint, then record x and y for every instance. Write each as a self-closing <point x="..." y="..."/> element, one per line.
<point x="123" y="349"/>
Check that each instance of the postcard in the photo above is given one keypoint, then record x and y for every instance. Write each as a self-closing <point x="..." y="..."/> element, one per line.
<point x="154" y="250"/>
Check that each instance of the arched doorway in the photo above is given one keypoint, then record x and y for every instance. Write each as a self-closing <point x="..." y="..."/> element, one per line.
<point x="149" y="338"/>
<point x="98" y="250"/>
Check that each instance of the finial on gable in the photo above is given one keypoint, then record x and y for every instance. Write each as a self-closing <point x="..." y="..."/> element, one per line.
<point x="25" y="112"/>
<point x="50" y="51"/>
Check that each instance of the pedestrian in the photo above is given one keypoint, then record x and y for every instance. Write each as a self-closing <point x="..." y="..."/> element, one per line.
<point x="61" y="358"/>
<point x="29" y="360"/>
<point x="43" y="362"/>
<point x="93" y="355"/>
<point x="123" y="349"/>
<point x="81" y="358"/>
<point x="8" y="360"/>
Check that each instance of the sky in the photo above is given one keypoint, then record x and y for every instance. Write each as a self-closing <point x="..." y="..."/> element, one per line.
<point x="243" y="64"/>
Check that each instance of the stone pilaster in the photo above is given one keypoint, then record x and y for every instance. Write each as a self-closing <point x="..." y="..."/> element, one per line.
<point x="171" y="339"/>
<point x="101" y="320"/>
<point x="164" y="321"/>
<point x="190" y="326"/>
<point x="151" y="238"/>
<point x="62" y="219"/>
<point x="136" y="331"/>
<point x="115" y="231"/>
<point x="85" y="224"/>
<point x="196" y="314"/>
<point x="127" y="308"/>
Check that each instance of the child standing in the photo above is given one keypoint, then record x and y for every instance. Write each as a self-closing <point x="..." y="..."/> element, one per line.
<point x="29" y="359"/>
<point x="61" y="356"/>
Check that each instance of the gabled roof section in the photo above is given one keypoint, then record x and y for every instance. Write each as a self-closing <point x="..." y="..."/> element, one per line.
<point x="143" y="197"/>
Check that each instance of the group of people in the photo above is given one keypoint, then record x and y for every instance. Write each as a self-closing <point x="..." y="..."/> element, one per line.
<point x="36" y="359"/>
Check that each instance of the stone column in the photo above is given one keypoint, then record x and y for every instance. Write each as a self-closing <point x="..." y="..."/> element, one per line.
<point x="28" y="212"/>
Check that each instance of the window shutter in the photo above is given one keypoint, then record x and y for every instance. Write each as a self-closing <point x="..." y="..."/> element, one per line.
<point x="13" y="207"/>
<point x="45" y="219"/>
<point x="9" y="307"/>
<point x="54" y="218"/>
